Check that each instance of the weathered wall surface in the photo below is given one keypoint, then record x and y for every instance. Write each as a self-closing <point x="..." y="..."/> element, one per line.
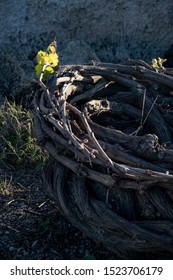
<point x="109" y="30"/>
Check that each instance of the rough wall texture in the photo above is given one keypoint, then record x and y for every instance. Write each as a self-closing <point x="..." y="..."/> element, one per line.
<point x="109" y="30"/>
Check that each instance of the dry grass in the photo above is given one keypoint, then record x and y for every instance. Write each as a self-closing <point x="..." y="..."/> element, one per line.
<point x="5" y="186"/>
<point x="17" y="144"/>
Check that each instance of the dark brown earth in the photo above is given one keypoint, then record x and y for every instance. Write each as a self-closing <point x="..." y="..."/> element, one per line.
<point x="32" y="227"/>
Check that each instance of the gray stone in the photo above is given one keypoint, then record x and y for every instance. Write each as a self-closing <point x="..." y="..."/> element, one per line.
<point x="16" y="71"/>
<point x="107" y="30"/>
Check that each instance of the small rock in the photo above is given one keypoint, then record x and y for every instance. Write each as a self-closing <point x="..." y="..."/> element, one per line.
<point x="34" y="244"/>
<point x="11" y="249"/>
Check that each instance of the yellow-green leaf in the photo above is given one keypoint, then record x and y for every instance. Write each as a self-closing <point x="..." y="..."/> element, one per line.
<point x="158" y="63"/>
<point x="48" y="70"/>
<point x="53" y="59"/>
<point x="154" y="63"/>
<point x="42" y="58"/>
<point x="49" y="58"/>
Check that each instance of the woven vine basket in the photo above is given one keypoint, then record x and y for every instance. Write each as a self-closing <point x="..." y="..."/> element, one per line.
<point x="108" y="129"/>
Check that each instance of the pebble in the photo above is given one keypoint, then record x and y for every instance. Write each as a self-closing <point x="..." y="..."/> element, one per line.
<point x="34" y="244"/>
<point x="11" y="249"/>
